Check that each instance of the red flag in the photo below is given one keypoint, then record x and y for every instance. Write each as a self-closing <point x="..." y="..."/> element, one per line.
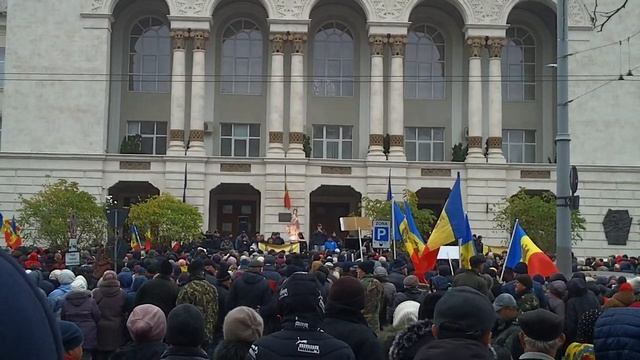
<point x="287" y="198"/>
<point x="424" y="263"/>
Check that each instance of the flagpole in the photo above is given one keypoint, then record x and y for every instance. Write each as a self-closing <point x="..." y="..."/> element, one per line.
<point x="513" y="233"/>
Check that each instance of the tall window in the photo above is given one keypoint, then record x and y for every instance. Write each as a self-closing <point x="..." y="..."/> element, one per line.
<point x="332" y="142"/>
<point x="242" y="140"/>
<point x="150" y="56"/>
<point x="519" y="66"/>
<point x="333" y="65"/>
<point x="519" y="146"/>
<point x="153" y="136"/>
<point x="242" y="58"/>
<point x="424" y="143"/>
<point x="424" y="63"/>
<point x="2" y="68"/>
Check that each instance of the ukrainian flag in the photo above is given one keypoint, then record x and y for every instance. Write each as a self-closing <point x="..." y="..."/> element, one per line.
<point x="451" y="225"/>
<point x="467" y="246"/>
<point x="135" y="238"/>
<point x="523" y="249"/>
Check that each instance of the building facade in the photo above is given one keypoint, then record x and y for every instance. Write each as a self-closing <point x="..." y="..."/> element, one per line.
<point x="223" y="101"/>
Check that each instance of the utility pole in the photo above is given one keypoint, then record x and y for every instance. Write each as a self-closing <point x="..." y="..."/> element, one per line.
<point x="563" y="140"/>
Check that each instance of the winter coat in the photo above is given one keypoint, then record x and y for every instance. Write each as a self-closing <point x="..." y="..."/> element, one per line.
<point x="111" y="301"/>
<point x="406" y="344"/>
<point x="330" y="245"/>
<point x="131" y="296"/>
<point x="56" y="297"/>
<point x="557" y="306"/>
<point x="273" y="277"/>
<point x="348" y="325"/>
<point x="184" y="353"/>
<point x="199" y="293"/>
<point x="232" y="350"/>
<point x="580" y="301"/>
<point x="617" y="334"/>
<point x="299" y="340"/>
<point x="160" y="291"/>
<point x="80" y="308"/>
<point x="473" y="280"/>
<point x="620" y="299"/>
<point x="505" y="333"/>
<point x="250" y="289"/>
<point x="318" y="238"/>
<point x="408" y="294"/>
<point x="386" y="312"/>
<point x="455" y="349"/>
<point x="397" y="279"/>
<point x="144" y="351"/>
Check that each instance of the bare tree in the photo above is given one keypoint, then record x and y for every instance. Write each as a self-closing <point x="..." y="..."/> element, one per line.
<point x="600" y="18"/>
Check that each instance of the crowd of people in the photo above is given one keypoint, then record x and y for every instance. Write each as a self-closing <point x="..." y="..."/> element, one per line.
<point x="212" y="301"/>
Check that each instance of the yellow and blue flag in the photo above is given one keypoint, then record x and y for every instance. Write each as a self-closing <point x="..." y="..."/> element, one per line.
<point x="467" y="246"/>
<point x="451" y="226"/>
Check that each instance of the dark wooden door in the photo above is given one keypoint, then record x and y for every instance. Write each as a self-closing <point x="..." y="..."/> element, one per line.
<point x="236" y="216"/>
<point x="328" y="214"/>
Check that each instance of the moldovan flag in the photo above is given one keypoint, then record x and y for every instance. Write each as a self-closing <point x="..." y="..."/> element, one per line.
<point x="467" y="246"/>
<point x="135" y="238"/>
<point x="451" y="226"/>
<point x="11" y="233"/>
<point x="147" y="240"/>
<point x="523" y="249"/>
<point x="423" y="260"/>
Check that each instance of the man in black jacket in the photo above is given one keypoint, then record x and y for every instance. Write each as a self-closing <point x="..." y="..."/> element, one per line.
<point x="344" y="319"/>
<point x="161" y="291"/>
<point x="398" y="273"/>
<point x="462" y="327"/>
<point x="250" y="289"/>
<point x="301" y="309"/>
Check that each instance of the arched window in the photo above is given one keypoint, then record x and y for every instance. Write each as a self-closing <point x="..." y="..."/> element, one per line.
<point x="333" y="55"/>
<point x="424" y="63"/>
<point x="519" y="66"/>
<point x="150" y="56"/>
<point x="242" y="44"/>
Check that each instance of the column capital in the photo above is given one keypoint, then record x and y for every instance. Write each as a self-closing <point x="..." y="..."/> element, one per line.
<point x="476" y="43"/>
<point x="397" y="43"/>
<point x="376" y="43"/>
<point x="200" y="38"/>
<point x="495" y="45"/>
<point x="178" y="37"/>
<point x="277" y="40"/>
<point x="298" y="40"/>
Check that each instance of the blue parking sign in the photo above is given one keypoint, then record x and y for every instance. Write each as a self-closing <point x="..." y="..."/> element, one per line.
<point x="381" y="236"/>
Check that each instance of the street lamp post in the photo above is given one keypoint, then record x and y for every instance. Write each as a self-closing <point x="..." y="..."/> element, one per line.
<point x="563" y="139"/>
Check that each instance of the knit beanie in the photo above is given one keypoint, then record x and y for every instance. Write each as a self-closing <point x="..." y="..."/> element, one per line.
<point x="347" y="291"/>
<point x="525" y="280"/>
<point x="147" y="323"/>
<point x="71" y="335"/>
<point x="109" y="275"/>
<point x="185" y="326"/>
<point x="66" y="277"/>
<point x="300" y="294"/>
<point x="242" y="324"/>
<point x="79" y="284"/>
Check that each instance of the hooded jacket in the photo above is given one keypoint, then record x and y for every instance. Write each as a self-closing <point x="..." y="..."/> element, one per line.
<point x="580" y="300"/>
<point x="251" y="290"/>
<point x="111" y="301"/>
<point x="80" y="308"/>
<point x="161" y="291"/>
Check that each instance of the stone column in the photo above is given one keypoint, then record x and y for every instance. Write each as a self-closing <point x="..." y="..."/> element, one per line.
<point x="296" y="98"/>
<point x="275" y="121"/>
<point x="196" y="133"/>
<point x="176" y="125"/>
<point x="376" y="98"/>
<point x="395" y="111"/>
<point x="474" y="140"/>
<point x="495" y="46"/>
